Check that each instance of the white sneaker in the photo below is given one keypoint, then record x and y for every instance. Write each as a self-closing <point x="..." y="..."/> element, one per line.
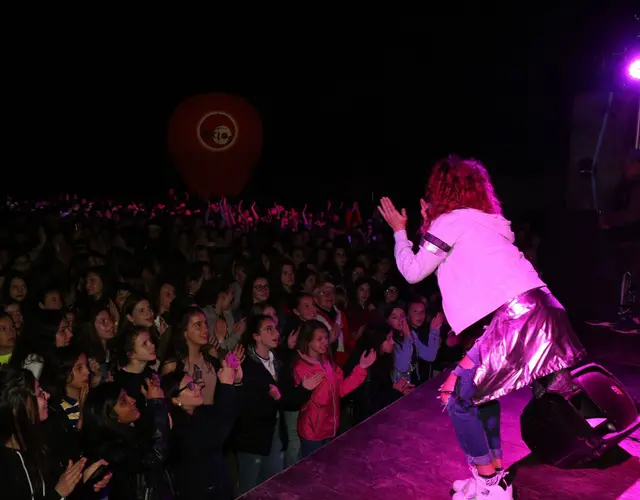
<point x="461" y="484"/>
<point x="479" y="488"/>
<point x="495" y="488"/>
<point x="468" y="492"/>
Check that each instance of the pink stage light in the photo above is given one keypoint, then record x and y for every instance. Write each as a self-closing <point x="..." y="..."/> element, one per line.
<point x="634" y="69"/>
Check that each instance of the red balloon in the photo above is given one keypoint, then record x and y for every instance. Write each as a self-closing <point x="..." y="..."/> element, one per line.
<point x="215" y="140"/>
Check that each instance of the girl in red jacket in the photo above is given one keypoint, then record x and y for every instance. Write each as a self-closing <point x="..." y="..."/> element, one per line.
<point x="319" y="418"/>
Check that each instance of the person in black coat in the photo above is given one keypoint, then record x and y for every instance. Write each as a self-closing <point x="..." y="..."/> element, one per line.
<point x="137" y="455"/>
<point x="259" y="435"/>
<point x="200" y="470"/>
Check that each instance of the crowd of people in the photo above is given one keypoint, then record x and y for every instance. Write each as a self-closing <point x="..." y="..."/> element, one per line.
<point x="194" y="349"/>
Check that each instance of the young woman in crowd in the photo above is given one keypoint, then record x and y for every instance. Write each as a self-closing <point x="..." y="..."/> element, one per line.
<point x="408" y="347"/>
<point x="136" y="354"/>
<point x="95" y="335"/>
<point x="259" y="436"/>
<point x="380" y="387"/>
<point x="31" y="473"/>
<point x="43" y="333"/>
<point x="319" y="418"/>
<point x="192" y="352"/>
<point x="136" y="454"/>
<point x="201" y="430"/>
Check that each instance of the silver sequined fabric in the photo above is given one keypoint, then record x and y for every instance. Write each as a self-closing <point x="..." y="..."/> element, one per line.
<point x="528" y="338"/>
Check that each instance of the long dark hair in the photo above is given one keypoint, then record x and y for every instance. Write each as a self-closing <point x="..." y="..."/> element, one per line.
<point x="38" y="336"/>
<point x="177" y="350"/>
<point x="57" y="373"/>
<point x="99" y="420"/>
<point x="89" y="339"/>
<point x="19" y="416"/>
<point x="128" y="307"/>
<point x="388" y="309"/>
<point x="372" y="339"/>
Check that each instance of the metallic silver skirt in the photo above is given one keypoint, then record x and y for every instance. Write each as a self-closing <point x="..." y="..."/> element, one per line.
<point x="528" y="338"/>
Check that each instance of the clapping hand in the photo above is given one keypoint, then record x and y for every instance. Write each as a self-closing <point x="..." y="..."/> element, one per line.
<point x="239" y="327"/>
<point x="312" y="380"/>
<point x="406" y="332"/>
<point x="396" y="220"/>
<point x="403" y="386"/>
<point x="96" y="372"/>
<point x="70" y="477"/>
<point x="274" y="392"/>
<point x="226" y="374"/>
<point x="238" y="352"/>
<point x="153" y="390"/>
<point x="213" y="348"/>
<point x="292" y="340"/>
<point x="424" y="210"/>
<point x="437" y="321"/>
<point x="367" y="359"/>
<point x="234" y="360"/>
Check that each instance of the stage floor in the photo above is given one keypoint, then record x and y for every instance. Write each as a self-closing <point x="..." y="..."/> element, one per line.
<point x="409" y="451"/>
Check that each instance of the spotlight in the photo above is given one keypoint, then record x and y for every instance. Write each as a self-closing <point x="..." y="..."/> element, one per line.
<point x="634" y="69"/>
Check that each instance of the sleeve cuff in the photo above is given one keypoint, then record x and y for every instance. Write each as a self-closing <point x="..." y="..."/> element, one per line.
<point x="400" y="235"/>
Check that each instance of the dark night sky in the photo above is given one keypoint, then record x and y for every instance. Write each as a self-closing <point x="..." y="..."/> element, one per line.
<point x="354" y="107"/>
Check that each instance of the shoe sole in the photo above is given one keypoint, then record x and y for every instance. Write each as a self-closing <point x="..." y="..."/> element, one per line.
<point x="514" y="492"/>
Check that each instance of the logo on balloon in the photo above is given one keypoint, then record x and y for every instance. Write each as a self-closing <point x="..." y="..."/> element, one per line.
<point x="217" y="131"/>
<point x="215" y="140"/>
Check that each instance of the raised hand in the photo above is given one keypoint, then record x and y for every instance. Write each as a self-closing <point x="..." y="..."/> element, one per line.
<point x="162" y="325"/>
<point x="367" y="359"/>
<point x="424" y="207"/>
<point x="437" y="321"/>
<point x="226" y="374"/>
<point x="113" y="311"/>
<point x="238" y="352"/>
<point x="153" y="390"/>
<point x="312" y="380"/>
<point x="292" y="339"/>
<point x="70" y="477"/>
<point x="238" y="375"/>
<point x="213" y="348"/>
<point x="405" y="329"/>
<point x="239" y="327"/>
<point x="396" y="220"/>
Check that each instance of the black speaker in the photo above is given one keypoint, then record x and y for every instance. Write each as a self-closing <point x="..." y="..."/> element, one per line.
<point x="572" y="430"/>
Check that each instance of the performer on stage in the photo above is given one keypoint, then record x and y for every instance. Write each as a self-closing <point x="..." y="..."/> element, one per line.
<point x="481" y="272"/>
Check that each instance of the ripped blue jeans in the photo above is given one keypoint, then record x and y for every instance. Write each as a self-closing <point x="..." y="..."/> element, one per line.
<point x="477" y="427"/>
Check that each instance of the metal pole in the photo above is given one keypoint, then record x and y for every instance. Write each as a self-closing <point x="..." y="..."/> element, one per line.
<point x="596" y="154"/>
<point x="638" y="126"/>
